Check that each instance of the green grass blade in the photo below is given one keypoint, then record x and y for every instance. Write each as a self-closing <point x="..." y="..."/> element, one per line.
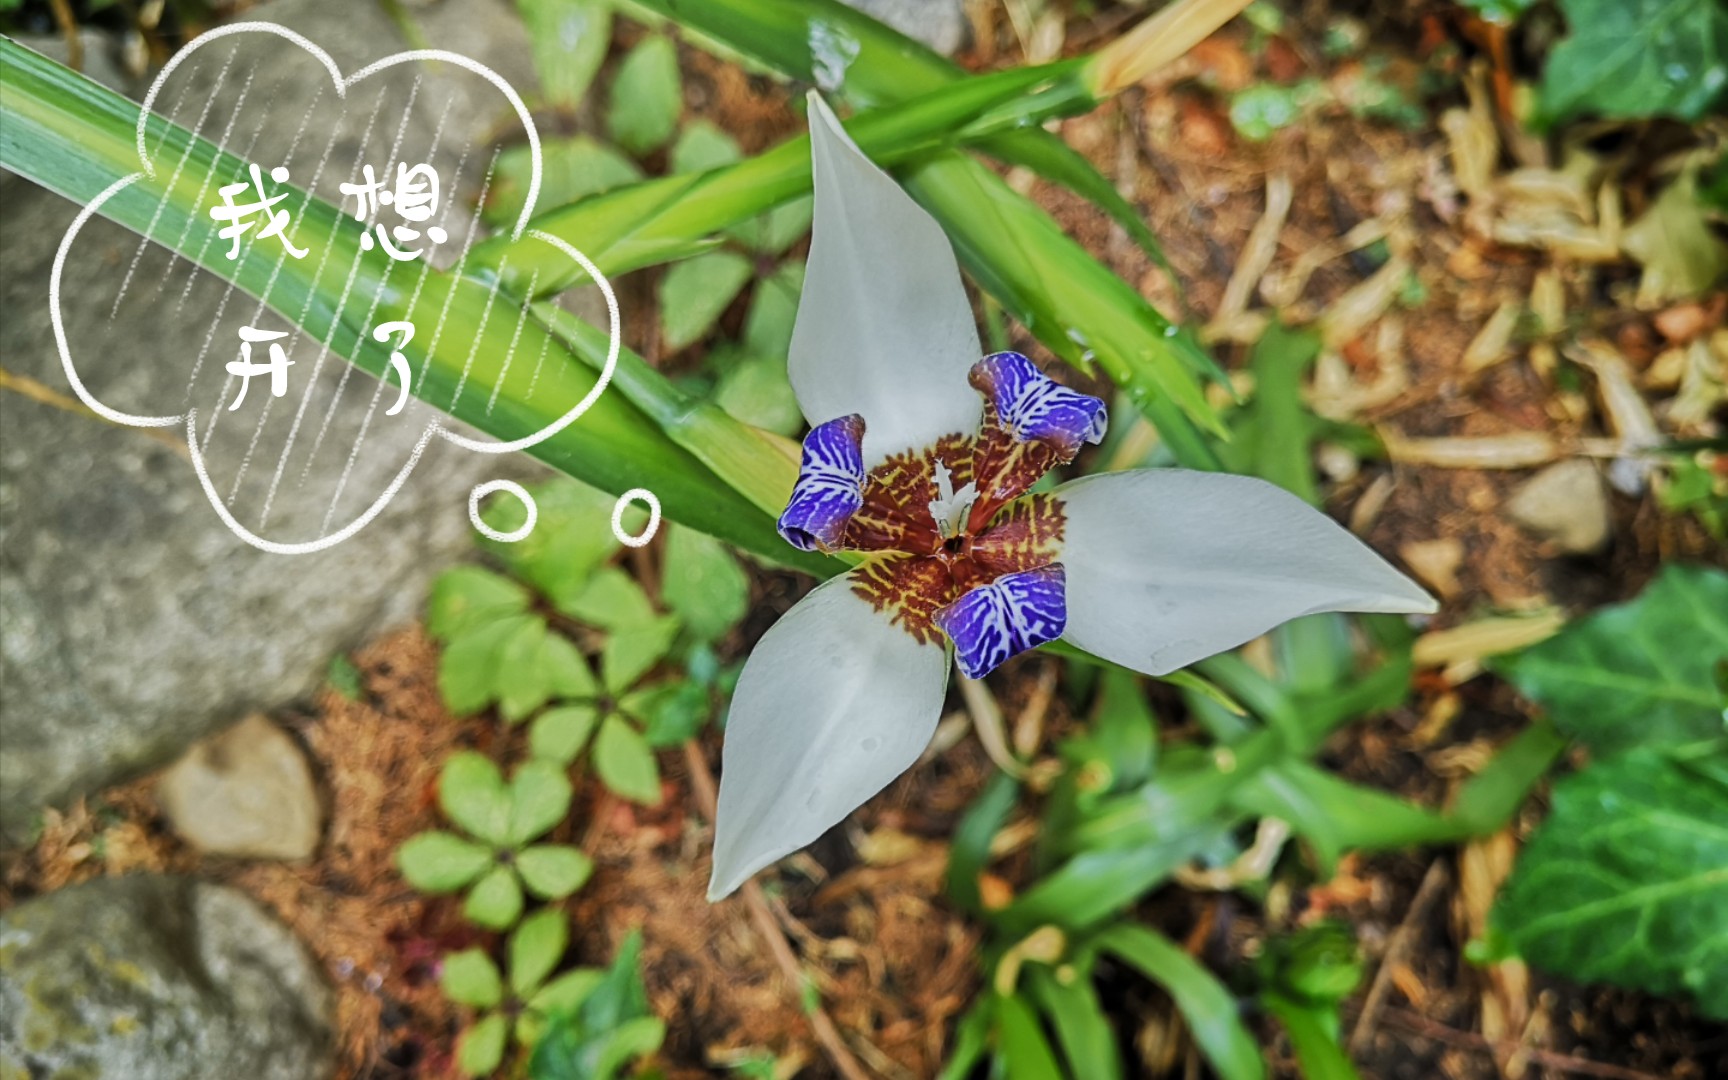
<point x="675" y="217"/>
<point x="77" y="138"/>
<point x="1069" y="294"/>
<point x="1203" y="1001"/>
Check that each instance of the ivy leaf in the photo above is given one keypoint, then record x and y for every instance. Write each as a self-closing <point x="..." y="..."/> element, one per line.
<point x="646" y="97"/>
<point x="471" y="791"/>
<point x="694" y="292"/>
<point x="480" y="1050"/>
<point x="629" y="654"/>
<point x="496" y="901"/>
<point x="1626" y="882"/>
<point x="1632" y="59"/>
<point x="540" y="796"/>
<point x="535" y="949"/>
<point x="625" y="763"/>
<point x="470" y="978"/>
<point x="441" y="862"/>
<point x="560" y="734"/>
<point x="554" y="871"/>
<point x="1636" y="674"/>
<point x="468" y="597"/>
<point x="703" y="583"/>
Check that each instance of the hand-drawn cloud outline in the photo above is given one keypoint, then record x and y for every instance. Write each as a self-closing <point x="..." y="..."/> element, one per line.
<point x="434" y="428"/>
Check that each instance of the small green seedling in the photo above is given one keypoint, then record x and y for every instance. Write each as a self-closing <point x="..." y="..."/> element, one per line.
<point x="522" y="1005"/>
<point x="495" y="861"/>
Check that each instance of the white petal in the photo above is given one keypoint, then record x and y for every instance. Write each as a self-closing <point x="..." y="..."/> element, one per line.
<point x="883" y="327"/>
<point x="1166" y="567"/>
<point x="833" y="704"/>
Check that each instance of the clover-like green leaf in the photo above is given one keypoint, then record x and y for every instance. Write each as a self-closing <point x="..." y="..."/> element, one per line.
<point x="467" y="597"/>
<point x="521" y="677"/>
<point x="560" y="733"/>
<point x="1636" y="674"/>
<point x="757" y="390"/>
<point x="567" y="672"/>
<point x="629" y="654"/>
<point x="612" y="601"/>
<point x="496" y="901"/>
<point x="469" y="670"/>
<point x="553" y="871"/>
<point x="702" y="146"/>
<point x="571" y="539"/>
<point x="768" y="326"/>
<point x="625" y="763"/>
<point x="670" y="712"/>
<point x="571" y="167"/>
<point x="471" y="791"/>
<point x="694" y="292"/>
<point x="480" y="1049"/>
<point x="440" y="862"/>
<point x="1626" y="882"/>
<point x="540" y="796"/>
<point x="569" y="39"/>
<point x="535" y="948"/>
<point x="646" y="96"/>
<point x="702" y="583"/>
<point x="471" y="978"/>
<point x="536" y="664"/>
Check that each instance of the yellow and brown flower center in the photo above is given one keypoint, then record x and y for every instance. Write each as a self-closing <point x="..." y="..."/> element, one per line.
<point x="921" y="567"/>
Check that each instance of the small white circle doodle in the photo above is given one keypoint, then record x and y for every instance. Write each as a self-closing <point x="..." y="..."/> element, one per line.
<point x="482" y="490"/>
<point x="646" y="498"/>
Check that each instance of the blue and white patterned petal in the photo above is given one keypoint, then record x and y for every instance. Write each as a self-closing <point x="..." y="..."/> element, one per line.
<point x="1035" y="407"/>
<point x="1014" y="613"/>
<point x="830" y="486"/>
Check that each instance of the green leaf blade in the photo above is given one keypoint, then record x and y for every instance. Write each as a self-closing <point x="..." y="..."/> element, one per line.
<point x="1627" y="880"/>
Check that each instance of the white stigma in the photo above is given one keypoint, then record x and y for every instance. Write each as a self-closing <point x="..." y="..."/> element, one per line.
<point x="949" y="507"/>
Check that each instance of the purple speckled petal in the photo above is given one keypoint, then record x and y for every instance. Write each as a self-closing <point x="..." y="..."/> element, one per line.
<point x="1014" y="613"/>
<point x="830" y="486"/>
<point x="1035" y="407"/>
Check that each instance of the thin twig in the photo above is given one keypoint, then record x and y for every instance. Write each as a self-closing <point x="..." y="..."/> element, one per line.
<point x="1566" y="1063"/>
<point x="839" y="1054"/>
<point x="1402" y="939"/>
<point x="68" y="24"/>
<point x="44" y="394"/>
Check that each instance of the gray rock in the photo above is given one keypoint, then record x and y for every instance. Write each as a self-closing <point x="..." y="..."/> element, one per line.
<point x="940" y="24"/>
<point x="246" y="792"/>
<point x="1564" y="503"/>
<point x="158" y="978"/>
<point x="132" y="622"/>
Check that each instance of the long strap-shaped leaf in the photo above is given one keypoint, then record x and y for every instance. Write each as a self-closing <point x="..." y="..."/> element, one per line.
<point x="77" y="138"/>
<point x="1075" y="305"/>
